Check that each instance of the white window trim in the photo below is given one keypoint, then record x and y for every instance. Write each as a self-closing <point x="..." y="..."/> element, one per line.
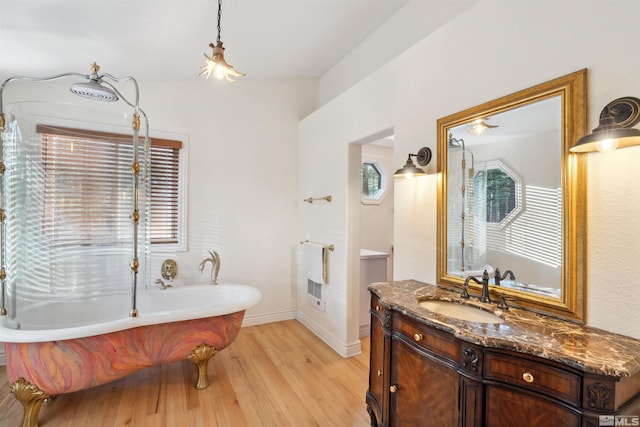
<point x="384" y="182"/>
<point x="181" y="246"/>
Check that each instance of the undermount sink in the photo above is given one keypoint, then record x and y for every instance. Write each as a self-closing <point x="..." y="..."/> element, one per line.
<point x="459" y="311"/>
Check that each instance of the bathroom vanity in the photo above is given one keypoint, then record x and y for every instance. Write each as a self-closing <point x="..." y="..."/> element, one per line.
<point x="516" y="368"/>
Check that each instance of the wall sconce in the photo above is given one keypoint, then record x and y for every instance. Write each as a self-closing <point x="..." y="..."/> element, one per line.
<point x="613" y="130"/>
<point x="410" y="169"/>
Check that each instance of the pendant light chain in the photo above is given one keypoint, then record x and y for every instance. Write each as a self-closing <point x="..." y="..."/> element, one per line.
<point x="219" y="17"/>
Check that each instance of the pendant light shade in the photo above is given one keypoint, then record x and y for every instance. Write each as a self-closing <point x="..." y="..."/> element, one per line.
<point x="215" y="64"/>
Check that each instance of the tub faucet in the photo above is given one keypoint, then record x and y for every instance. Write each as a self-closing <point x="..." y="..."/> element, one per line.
<point x="485" y="287"/>
<point x="498" y="277"/>
<point x="214" y="259"/>
<point x="162" y="285"/>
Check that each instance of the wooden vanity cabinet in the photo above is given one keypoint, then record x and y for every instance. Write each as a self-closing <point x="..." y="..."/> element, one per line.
<point x="418" y="380"/>
<point x="423" y="376"/>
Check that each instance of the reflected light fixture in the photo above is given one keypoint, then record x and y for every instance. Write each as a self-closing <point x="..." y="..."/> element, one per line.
<point x="614" y="130"/>
<point x="480" y="125"/>
<point x="410" y="170"/>
<point x="215" y="64"/>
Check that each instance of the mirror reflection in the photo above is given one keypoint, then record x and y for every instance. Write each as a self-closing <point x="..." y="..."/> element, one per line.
<point x="504" y="198"/>
<point x="511" y="198"/>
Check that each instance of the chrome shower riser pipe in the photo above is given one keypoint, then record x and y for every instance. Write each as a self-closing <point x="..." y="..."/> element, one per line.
<point x="136" y="126"/>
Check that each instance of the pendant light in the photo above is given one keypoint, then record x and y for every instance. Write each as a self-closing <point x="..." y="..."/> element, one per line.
<point x="480" y="126"/>
<point x="215" y="64"/>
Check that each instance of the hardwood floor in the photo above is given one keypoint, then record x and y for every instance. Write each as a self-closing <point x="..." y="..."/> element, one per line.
<point x="276" y="375"/>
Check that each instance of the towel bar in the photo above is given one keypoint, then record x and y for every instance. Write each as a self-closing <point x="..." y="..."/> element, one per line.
<point x="311" y="199"/>
<point x="330" y="247"/>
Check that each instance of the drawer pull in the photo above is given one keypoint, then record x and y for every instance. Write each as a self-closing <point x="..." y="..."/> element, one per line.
<point x="417" y="337"/>
<point x="527" y="377"/>
<point x="377" y="308"/>
<point x="379" y="373"/>
<point x="393" y="388"/>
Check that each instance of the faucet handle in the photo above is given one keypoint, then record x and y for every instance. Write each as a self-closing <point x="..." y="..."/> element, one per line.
<point x="502" y="305"/>
<point x="465" y="291"/>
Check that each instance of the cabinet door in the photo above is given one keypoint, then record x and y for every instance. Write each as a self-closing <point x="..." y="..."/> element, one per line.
<point x="377" y="368"/>
<point x="378" y="363"/>
<point x="471" y="403"/>
<point x="508" y="408"/>
<point x="423" y="392"/>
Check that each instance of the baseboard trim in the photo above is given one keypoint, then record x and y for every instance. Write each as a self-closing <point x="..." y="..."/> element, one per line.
<point x="343" y="349"/>
<point x="260" y="319"/>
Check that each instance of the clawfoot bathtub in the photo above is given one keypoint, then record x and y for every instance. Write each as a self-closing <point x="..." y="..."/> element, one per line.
<point x="192" y="322"/>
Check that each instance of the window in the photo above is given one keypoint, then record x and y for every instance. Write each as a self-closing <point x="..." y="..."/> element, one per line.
<point x="498" y="192"/>
<point x="372" y="182"/>
<point x="88" y="187"/>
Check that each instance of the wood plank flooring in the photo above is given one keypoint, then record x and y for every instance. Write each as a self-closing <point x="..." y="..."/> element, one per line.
<point x="275" y="375"/>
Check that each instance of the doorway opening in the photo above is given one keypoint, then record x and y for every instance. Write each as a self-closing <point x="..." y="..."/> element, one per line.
<point x="376" y="201"/>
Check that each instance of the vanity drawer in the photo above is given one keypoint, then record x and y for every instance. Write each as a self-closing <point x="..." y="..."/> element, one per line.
<point x="533" y="375"/>
<point x="426" y="337"/>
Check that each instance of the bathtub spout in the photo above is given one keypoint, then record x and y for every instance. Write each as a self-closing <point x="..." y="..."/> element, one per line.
<point x="214" y="259"/>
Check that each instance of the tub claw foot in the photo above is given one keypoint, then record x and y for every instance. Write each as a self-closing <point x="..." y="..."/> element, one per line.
<point x="200" y="356"/>
<point x="31" y="398"/>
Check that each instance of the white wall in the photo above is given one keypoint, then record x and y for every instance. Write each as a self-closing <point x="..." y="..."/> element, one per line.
<point x="407" y="26"/>
<point x="495" y="48"/>
<point x="242" y="181"/>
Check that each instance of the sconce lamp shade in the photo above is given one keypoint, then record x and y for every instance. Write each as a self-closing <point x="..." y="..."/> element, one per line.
<point x="410" y="169"/>
<point x="615" y="128"/>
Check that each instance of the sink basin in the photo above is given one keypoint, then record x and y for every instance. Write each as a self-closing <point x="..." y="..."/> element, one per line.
<point x="459" y="311"/>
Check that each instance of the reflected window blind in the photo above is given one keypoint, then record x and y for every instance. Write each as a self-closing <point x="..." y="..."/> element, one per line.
<point x="88" y="187"/>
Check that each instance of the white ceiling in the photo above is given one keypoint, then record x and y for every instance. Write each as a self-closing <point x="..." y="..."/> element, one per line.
<point x="165" y="39"/>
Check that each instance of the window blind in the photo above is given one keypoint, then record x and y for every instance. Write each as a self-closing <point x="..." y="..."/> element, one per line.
<point x="88" y="187"/>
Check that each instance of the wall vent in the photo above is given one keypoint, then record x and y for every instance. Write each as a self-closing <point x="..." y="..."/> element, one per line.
<point x="315" y="294"/>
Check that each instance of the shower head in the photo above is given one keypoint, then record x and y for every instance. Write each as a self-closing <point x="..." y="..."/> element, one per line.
<point x="93" y="90"/>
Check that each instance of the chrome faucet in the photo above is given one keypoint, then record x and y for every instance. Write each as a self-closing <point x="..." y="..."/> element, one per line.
<point x="162" y="285"/>
<point x="484" y="283"/>
<point x="498" y="277"/>
<point x="214" y="259"/>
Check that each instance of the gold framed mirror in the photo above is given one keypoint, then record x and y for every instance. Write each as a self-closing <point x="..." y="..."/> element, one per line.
<point x="511" y="197"/>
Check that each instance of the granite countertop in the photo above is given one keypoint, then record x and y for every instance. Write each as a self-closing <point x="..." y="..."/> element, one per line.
<point x="581" y="347"/>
